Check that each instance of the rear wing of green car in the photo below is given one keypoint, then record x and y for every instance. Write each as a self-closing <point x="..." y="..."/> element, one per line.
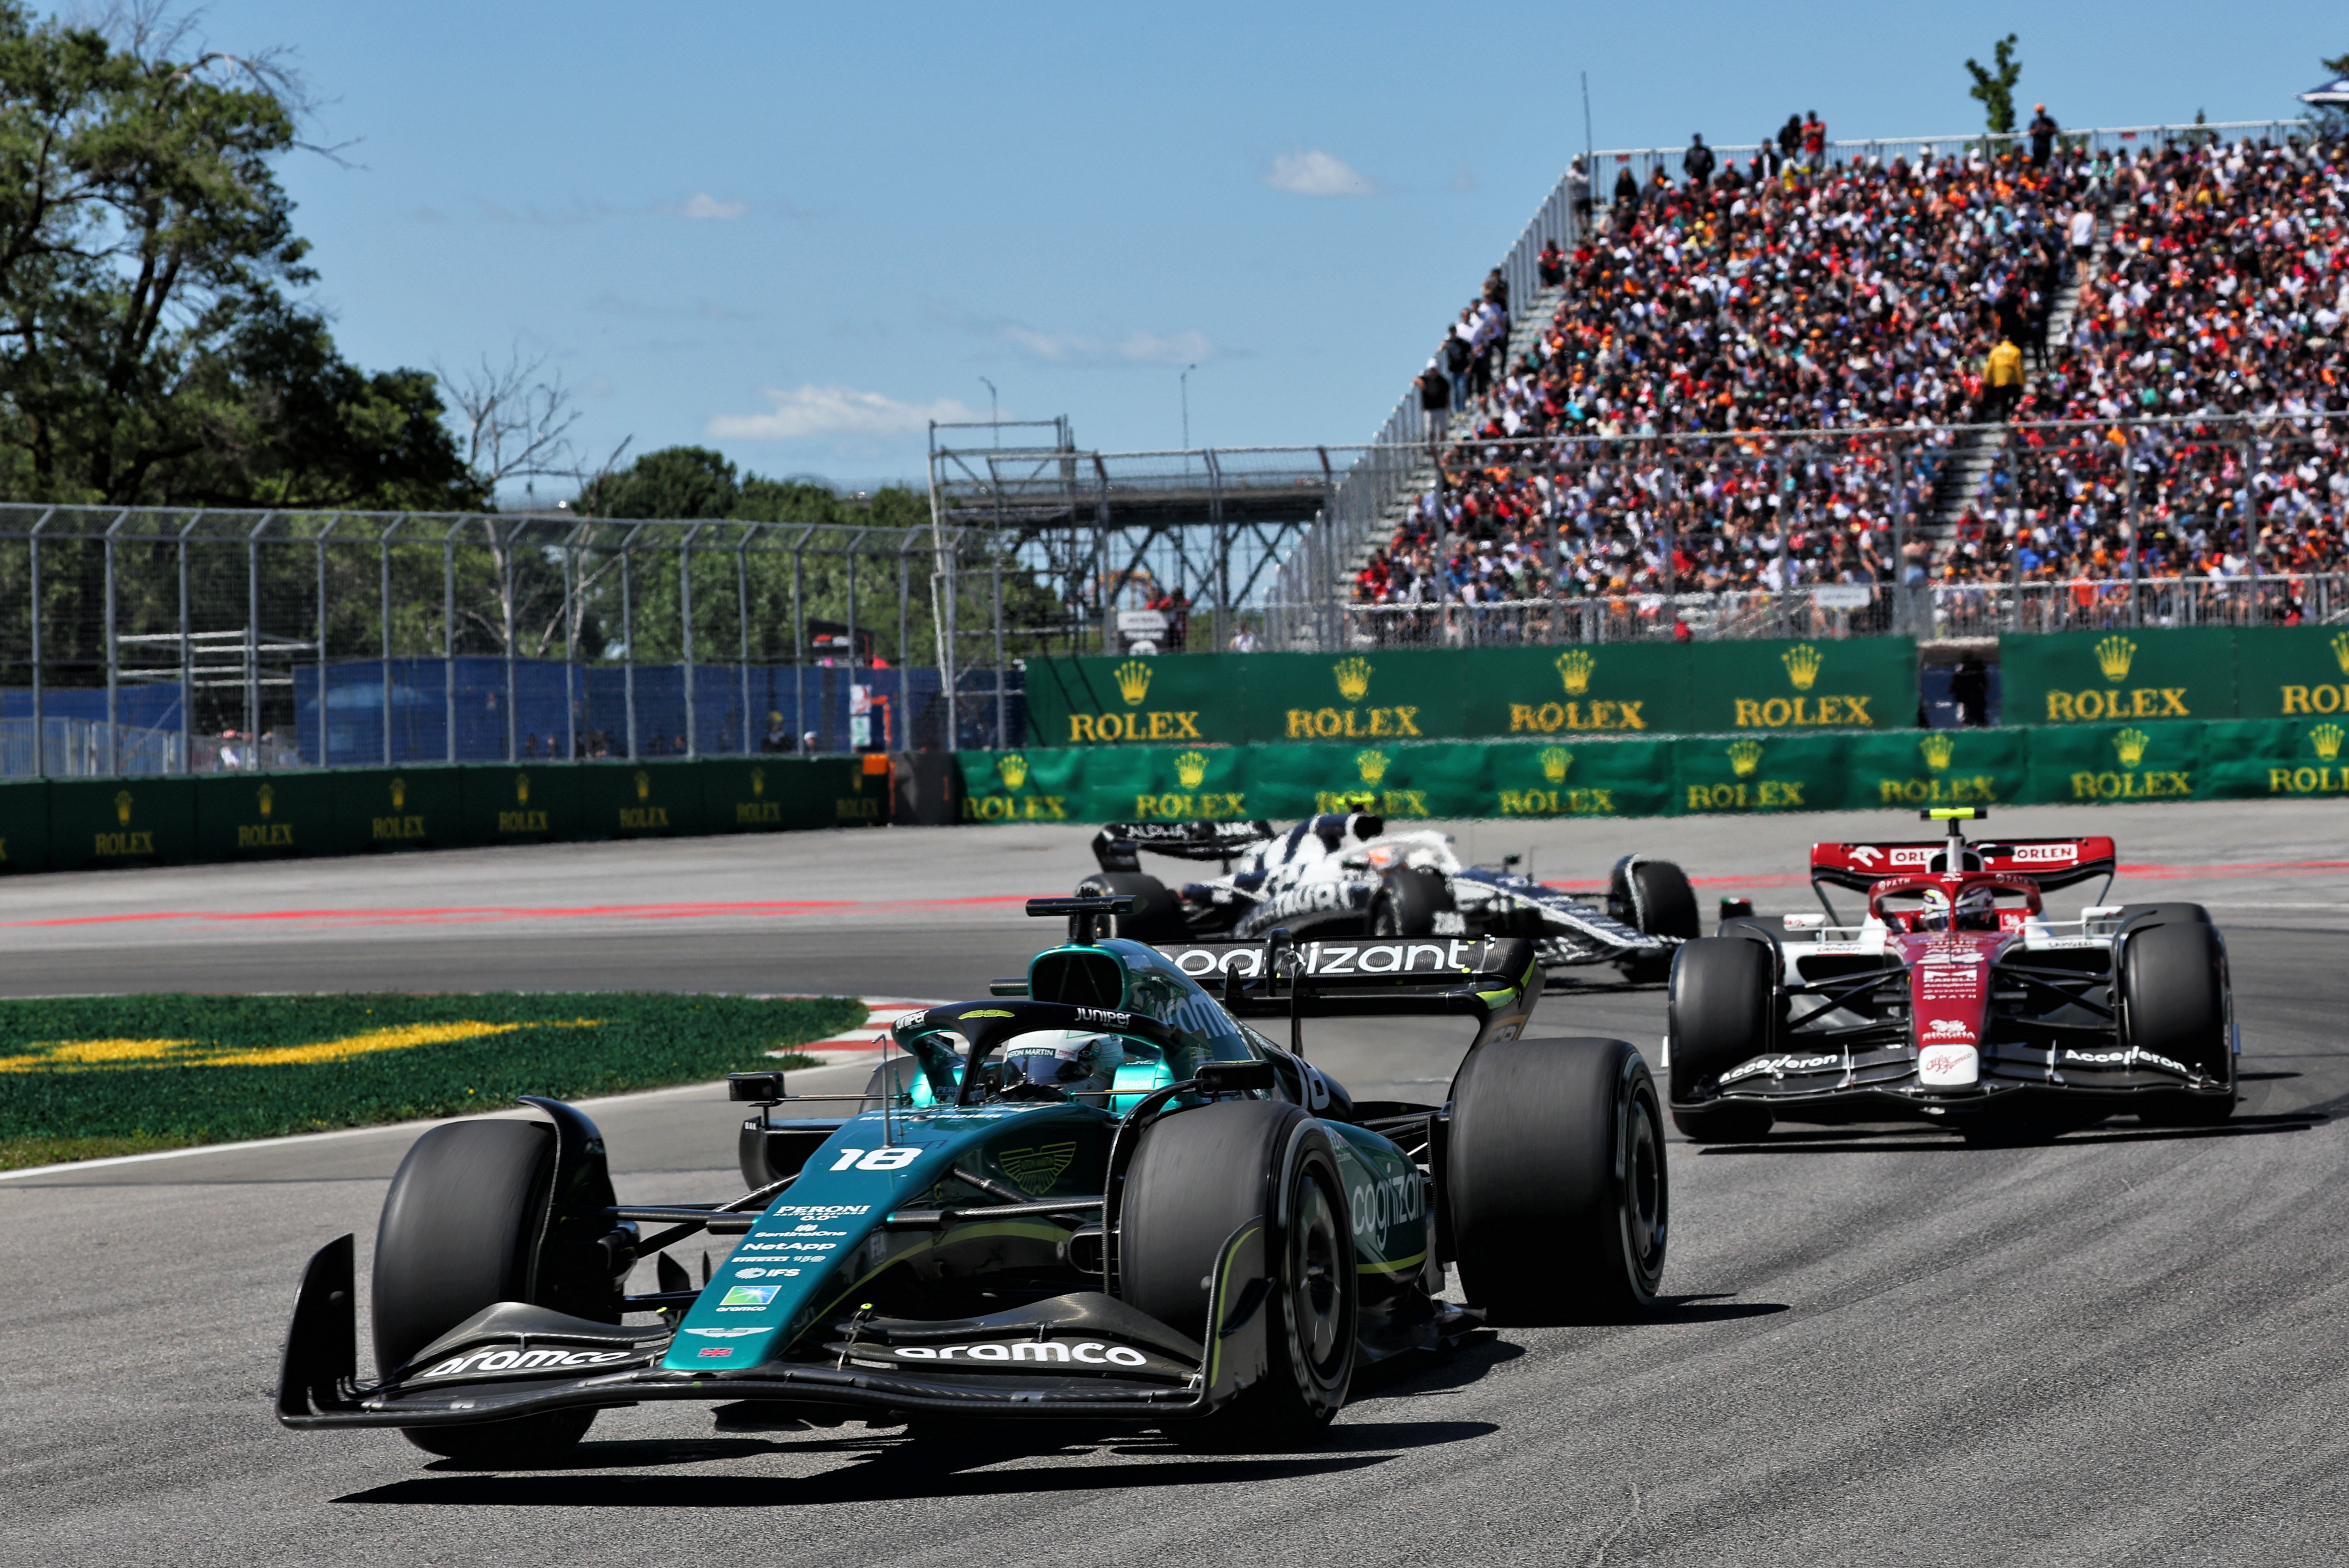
<point x="1494" y="981"/>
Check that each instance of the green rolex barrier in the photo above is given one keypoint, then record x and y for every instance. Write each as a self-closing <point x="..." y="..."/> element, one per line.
<point x="649" y="800"/>
<point x="1792" y="687"/>
<point x="24" y="827"/>
<point x="265" y="816"/>
<point x="1936" y="768"/>
<point x="2292" y="671"/>
<point x="401" y="808"/>
<point x="774" y="794"/>
<point x="2086" y="764"/>
<point x="1750" y="774"/>
<point x="2256" y="759"/>
<point x="121" y="822"/>
<point x="1383" y="697"/>
<point x="500" y="804"/>
<point x="2127" y="676"/>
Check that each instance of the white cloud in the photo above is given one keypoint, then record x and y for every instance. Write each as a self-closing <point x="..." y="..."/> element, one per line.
<point x="705" y="205"/>
<point x="814" y="410"/>
<point x="1316" y="174"/>
<point x="1135" y="348"/>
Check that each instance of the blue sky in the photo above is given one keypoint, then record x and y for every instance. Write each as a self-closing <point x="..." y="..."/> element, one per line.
<point x="797" y="232"/>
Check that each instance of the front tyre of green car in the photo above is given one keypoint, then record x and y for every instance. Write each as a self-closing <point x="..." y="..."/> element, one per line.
<point x="1199" y="1176"/>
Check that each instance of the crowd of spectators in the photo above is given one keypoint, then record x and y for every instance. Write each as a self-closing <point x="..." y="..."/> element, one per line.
<point x="2220" y="305"/>
<point x="1809" y="330"/>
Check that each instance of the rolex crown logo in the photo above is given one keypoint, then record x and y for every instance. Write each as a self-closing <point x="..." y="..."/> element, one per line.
<point x="122" y="806"/>
<point x="1353" y="678"/>
<point x="2113" y="656"/>
<point x="2131" y="745"/>
<point x="1937" y="749"/>
<point x="758" y="781"/>
<point x="2340" y="650"/>
<point x="268" y="799"/>
<point x="1802" y="662"/>
<point x="1745" y="758"/>
<point x="1555" y="761"/>
<point x="1134" y="681"/>
<point x="521" y="788"/>
<point x="1373" y="765"/>
<point x="398" y="793"/>
<point x="1574" y="668"/>
<point x="644" y="785"/>
<point x="1191" y="767"/>
<point x="2326" y="738"/>
<point x="1012" y="769"/>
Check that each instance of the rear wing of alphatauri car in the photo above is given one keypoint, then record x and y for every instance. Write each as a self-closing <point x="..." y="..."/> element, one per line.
<point x="2052" y="863"/>
<point x="1116" y="847"/>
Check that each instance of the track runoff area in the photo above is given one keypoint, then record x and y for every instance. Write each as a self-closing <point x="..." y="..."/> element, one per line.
<point x="1878" y="1344"/>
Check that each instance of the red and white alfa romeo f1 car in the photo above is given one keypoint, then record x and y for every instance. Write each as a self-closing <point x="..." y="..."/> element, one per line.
<point x="1955" y="997"/>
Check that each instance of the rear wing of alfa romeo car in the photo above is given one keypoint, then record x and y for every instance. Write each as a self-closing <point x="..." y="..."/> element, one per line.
<point x="1494" y="981"/>
<point x="2052" y="863"/>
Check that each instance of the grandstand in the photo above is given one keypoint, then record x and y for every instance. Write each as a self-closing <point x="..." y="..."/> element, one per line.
<point x="1775" y="381"/>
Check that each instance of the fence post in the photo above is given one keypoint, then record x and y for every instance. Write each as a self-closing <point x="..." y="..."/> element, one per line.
<point x="504" y="558"/>
<point x="389" y="528"/>
<point x="799" y="648"/>
<point x="449" y="637"/>
<point x="323" y="759"/>
<point x="1002" y="701"/>
<point x="743" y="625"/>
<point x="113" y="671"/>
<point x="571" y="643"/>
<point x="628" y="634"/>
<point x="40" y="726"/>
<point x="685" y="631"/>
<point x="255" y="760"/>
<point x="903" y="708"/>
<point x="2128" y="520"/>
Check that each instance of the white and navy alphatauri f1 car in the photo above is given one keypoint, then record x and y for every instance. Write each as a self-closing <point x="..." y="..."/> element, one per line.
<point x="1343" y="874"/>
<point x="1094" y="1194"/>
<point x="1954" y="996"/>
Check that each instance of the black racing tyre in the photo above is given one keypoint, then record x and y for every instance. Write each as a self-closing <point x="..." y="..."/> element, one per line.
<point x="518" y="1444"/>
<point x="1408" y="901"/>
<point x="1654" y="897"/>
<point x="2172" y="989"/>
<point x="2163" y="914"/>
<point x="1200" y="1175"/>
<point x="1157" y="916"/>
<point x="1560" y="1197"/>
<point x="463" y="1212"/>
<point x="1720" y="1010"/>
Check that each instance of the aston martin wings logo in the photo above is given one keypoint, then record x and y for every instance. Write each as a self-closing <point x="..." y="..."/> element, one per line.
<point x="1034" y="1170"/>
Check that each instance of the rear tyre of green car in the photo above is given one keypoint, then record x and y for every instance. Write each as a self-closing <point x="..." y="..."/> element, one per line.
<point x="1200" y="1175"/>
<point x="1562" y="1201"/>
<point x="458" y="1223"/>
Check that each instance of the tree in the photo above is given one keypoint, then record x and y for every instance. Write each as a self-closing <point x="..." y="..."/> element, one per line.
<point x="517" y="424"/>
<point x="1995" y="89"/>
<point x="148" y="352"/>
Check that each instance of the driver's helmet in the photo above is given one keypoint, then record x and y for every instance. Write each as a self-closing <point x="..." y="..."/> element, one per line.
<point x="1932" y="911"/>
<point x="1977" y="910"/>
<point x="1054" y="1064"/>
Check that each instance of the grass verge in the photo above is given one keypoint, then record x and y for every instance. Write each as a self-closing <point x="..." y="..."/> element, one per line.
<point x="89" y="1077"/>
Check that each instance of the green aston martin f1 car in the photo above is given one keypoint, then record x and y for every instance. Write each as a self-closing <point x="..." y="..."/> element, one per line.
<point x="1097" y="1193"/>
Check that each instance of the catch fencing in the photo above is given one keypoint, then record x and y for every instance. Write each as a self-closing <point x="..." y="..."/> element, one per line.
<point x="189" y="642"/>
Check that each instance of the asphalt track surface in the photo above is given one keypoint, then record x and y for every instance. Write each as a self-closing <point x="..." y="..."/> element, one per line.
<point x="1881" y="1346"/>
